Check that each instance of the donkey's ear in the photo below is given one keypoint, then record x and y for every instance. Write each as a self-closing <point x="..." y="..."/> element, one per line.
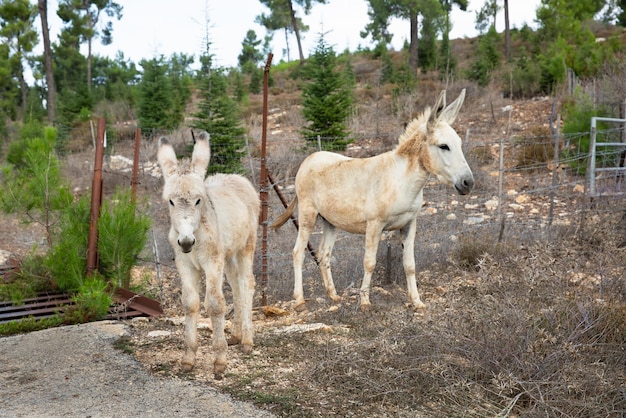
<point x="204" y="136"/>
<point x="166" y="157"/>
<point x="450" y="113"/>
<point x="439" y="104"/>
<point x="201" y="154"/>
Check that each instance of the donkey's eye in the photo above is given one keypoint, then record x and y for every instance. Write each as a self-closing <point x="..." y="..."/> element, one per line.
<point x="444" y="147"/>
<point x="171" y="202"/>
<point x="197" y="202"/>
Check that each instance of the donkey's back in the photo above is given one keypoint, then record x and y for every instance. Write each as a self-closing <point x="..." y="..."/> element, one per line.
<point x="235" y="203"/>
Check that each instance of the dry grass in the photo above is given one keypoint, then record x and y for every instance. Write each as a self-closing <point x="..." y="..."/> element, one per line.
<point x="517" y="335"/>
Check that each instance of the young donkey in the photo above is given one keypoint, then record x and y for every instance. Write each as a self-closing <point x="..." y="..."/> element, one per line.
<point x="213" y="230"/>
<point x="372" y="195"/>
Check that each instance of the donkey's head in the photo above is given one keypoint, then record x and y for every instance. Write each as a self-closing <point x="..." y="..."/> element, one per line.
<point x="184" y="189"/>
<point x="441" y="153"/>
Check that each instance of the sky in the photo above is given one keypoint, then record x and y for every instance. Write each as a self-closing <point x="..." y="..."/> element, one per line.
<point x="151" y="28"/>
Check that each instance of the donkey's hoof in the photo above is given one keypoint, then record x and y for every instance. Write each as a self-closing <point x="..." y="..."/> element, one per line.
<point x="365" y="307"/>
<point x="186" y="367"/>
<point x="335" y="299"/>
<point x="246" y="348"/>
<point x="299" y="306"/>
<point x="218" y="371"/>
<point x="233" y="340"/>
<point x="418" y="306"/>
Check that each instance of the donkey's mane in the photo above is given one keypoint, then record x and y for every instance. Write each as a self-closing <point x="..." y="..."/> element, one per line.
<point x="414" y="126"/>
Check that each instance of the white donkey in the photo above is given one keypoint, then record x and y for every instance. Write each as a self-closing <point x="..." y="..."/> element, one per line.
<point x="372" y="195"/>
<point x="213" y="230"/>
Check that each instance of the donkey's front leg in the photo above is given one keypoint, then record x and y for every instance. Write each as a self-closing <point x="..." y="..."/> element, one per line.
<point x="190" y="278"/>
<point x="215" y="306"/>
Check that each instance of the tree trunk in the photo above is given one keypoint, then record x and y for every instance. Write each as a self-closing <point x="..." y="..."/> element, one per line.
<point x="45" y="32"/>
<point x="23" y="86"/>
<point x="89" y="65"/>
<point x="294" y="24"/>
<point x="507" y="31"/>
<point x="413" y="60"/>
<point x="287" y="44"/>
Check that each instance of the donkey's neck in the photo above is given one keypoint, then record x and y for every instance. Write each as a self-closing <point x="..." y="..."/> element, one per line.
<point x="412" y="156"/>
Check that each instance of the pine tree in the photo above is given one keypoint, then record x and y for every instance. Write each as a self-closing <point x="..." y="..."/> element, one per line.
<point x="486" y="59"/>
<point x="249" y="59"/>
<point x="155" y="96"/>
<point x="327" y="99"/>
<point x="250" y="55"/>
<point x="219" y="115"/>
<point x="9" y="91"/>
<point x="32" y="186"/>
<point x="18" y="31"/>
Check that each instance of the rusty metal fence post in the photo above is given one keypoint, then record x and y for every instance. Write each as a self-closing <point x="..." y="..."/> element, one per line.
<point x="264" y="183"/>
<point x="96" y="201"/>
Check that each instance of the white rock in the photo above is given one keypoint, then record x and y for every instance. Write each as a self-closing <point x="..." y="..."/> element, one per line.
<point x="473" y="220"/>
<point x="491" y="204"/>
<point x="302" y="328"/>
<point x="159" y="333"/>
<point x="4" y="256"/>
<point x="119" y="162"/>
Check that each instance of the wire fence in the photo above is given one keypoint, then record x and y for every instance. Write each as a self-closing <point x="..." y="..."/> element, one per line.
<point x="527" y="189"/>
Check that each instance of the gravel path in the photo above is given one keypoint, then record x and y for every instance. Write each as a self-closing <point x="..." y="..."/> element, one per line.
<point x="74" y="371"/>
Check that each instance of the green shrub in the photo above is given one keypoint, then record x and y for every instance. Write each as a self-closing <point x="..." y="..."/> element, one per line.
<point x="67" y="259"/>
<point x="92" y="301"/>
<point x="577" y="116"/>
<point x="30" y="324"/>
<point x="525" y="77"/>
<point x="29" y="279"/>
<point x="121" y="237"/>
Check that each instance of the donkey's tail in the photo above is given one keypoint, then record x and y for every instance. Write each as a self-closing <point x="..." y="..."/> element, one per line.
<point x="286" y="215"/>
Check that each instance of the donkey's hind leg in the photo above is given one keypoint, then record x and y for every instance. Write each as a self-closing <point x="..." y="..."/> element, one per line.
<point x="329" y="236"/>
<point x="307" y="218"/>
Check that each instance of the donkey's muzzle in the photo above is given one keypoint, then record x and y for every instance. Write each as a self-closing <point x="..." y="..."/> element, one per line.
<point x="186" y="244"/>
<point x="465" y="185"/>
